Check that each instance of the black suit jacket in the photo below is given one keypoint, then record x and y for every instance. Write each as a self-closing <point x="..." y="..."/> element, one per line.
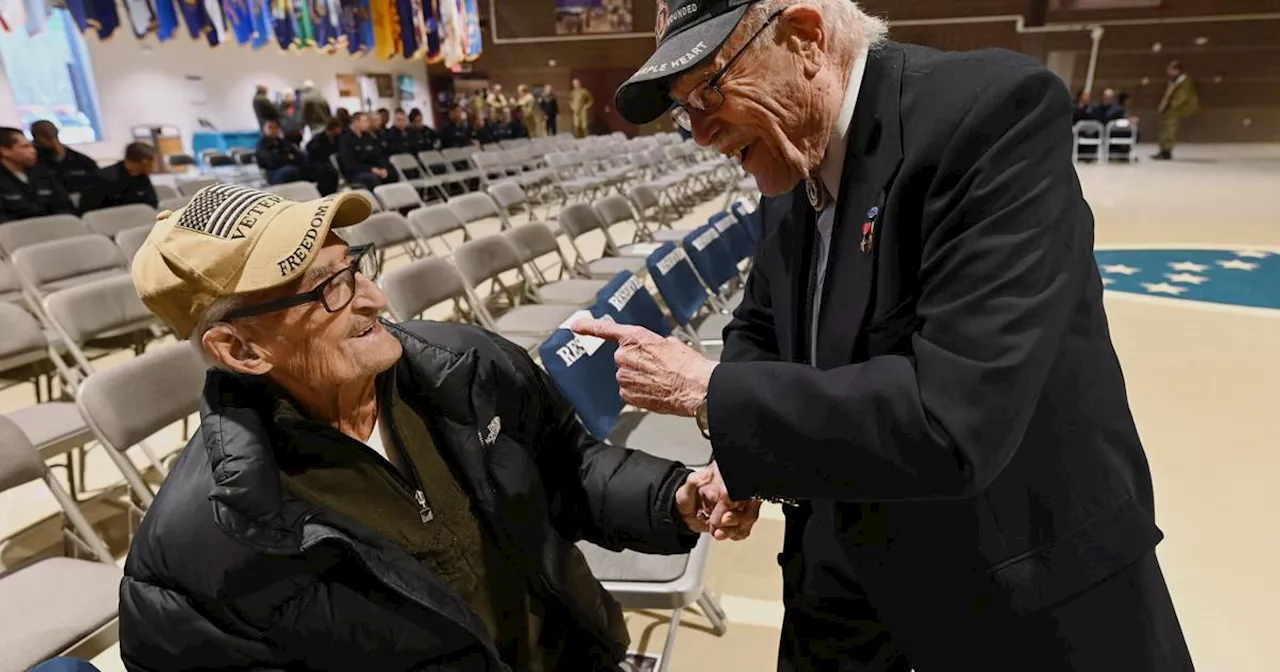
<point x="40" y="195"/>
<point x="963" y="442"/>
<point x="114" y="186"/>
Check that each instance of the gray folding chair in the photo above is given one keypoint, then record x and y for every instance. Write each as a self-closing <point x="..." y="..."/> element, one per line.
<point x="388" y="231"/>
<point x="111" y="221"/>
<point x="658" y="582"/>
<point x="128" y="403"/>
<point x="58" y="264"/>
<point x="174" y="203"/>
<point x="420" y="285"/>
<point x="100" y="315"/>
<point x="657" y="217"/>
<point x="24" y="232"/>
<point x="190" y="188"/>
<point x="164" y="191"/>
<point x="435" y="222"/>
<point x="615" y="209"/>
<point x="295" y="191"/>
<point x="511" y="198"/>
<point x="55" y="605"/>
<point x="54" y="427"/>
<point x="130" y="241"/>
<point x="535" y="240"/>
<point x="10" y="285"/>
<point x="581" y="218"/>
<point x="476" y="206"/>
<point x="413" y="174"/>
<point x="484" y="260"/>
<point x="368" y="196"/>
<point x="398" y="196"/>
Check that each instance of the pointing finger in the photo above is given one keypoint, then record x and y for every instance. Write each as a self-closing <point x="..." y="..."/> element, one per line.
<point x="606" y="329"/>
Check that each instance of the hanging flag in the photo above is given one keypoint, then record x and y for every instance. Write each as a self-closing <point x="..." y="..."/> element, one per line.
<point x="217" y="24"/>
<point x="305" y="35"/>
<point x="386" y="29"/>
<point x="282" y="22"/>
<point x="99" y="15"/>
<point x="406" y="11"/>
<point x="142" y="17"/>
<point x="239" y="15"/>
<point x="352" y="26"/>
<point x="366" y="26"/>
<point x="37" y="15"/>
<point x="262" y="33"/>
<point x="166" y="19"/>
<point x="472" y="43"/>
<point x="79" y="11"/>
<point x="451" y="30"/>
<point x="324" y="15"/>
<point x="194" y="15"/>
<point x="432" y="11"/>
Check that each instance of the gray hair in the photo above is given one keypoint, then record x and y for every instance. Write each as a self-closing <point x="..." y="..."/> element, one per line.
<point x="214" y="315"/>
<point x="844" y="16"/>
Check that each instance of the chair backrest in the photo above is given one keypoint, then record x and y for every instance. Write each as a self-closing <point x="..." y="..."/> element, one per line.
<point x="10" y="283"/>
<point x="384" y="229"/>
<point x="407" y="165"/>
<point x="99" y="308"/>
<point x="507" y="194"/>
<point x="56" y="260"/>
<point x="710" y="256"/>
<point x="414" y="288"/>
<point x="677" y="282"/>
<point x="130" y="241"/>
<point x="435" y="220"/>
<point x="454" y="155"/>
<point x="644" y="198"/>
<point x="131" y="401"/>
<point x="111" y="221"/>
<point x="578" y="219"/>
<point x="190" y="188"/>
<point x="20" y="462"/>
<point x="164" y="191"/>
<point x="734" y="234"/>
<point x="397" y="195"/>
<point x="297" y="191"/>
<point x="174" y="203"/>
<point x="627" y="300"/>
<point x="614" y="208"/>
<point x="474" y="207"/>
<point x="21" y="334"/>
<point x="368" y="196"/>
<point x="750" y="217"/>
<point x="24" y="232"/>
<point x="533" y="240"/>
<point x="584" y="370"/>
<point x="485" y="258"/>
<point x="434" y="161"/>
<point x="490" y="164"/>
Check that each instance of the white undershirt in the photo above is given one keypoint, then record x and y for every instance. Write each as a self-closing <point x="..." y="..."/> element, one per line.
<point x="375" y="439"/>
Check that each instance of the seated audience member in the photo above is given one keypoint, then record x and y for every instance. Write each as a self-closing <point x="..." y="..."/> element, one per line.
<point x="510" y="127"/>
<point x="456" y="133"/>
<point x="380" y="121"/>
<point x="482" y="131"/>
<point x="282" y="161"/>
<point x="396" y="139"/>
<point x="1107" y="109"/>
<point x="324" y="145"/>
<point x="125" y="183"/>
<point x="27" y="189"/>
<point x="343" y="116"/>
<point x="1083" y="108"/>
<point x="422" y="138"/>
<point x="361" y="155"/>
<point x="363" y="495"/>
<point x="75" y="170"/>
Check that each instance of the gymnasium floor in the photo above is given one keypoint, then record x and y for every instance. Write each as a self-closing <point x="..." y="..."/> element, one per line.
<point x="1201" y="355"/>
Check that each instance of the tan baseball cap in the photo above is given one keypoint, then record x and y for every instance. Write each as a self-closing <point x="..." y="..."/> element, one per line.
<point x="231" y="239"/>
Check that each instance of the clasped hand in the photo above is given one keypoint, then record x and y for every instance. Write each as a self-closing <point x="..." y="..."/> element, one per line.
<point x="704" y="504"/>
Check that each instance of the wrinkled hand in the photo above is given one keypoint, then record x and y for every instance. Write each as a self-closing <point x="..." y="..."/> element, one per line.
<point x="657" y="374"/>
<point x="703" y="502"/>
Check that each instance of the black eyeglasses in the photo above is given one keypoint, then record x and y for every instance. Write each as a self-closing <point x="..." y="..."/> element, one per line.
<point x="334" y="293"/>
<point x="706" y="98"/>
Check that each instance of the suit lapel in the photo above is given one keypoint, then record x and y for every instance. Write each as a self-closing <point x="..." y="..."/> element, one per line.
<point x="801" y="243"/>
<point x="874" y="154"/>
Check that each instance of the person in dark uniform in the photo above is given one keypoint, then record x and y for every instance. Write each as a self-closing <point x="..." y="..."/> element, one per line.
<point x="422" y="138"/>
<point x="361" y="155"/>
<point x="510" y="127"/>
<point x="920" y="369"/>
<point x="75" y="170"/>
<point x="395" y="140"/>
<point x="27" y="189"/>
<point x="283" y="161"/>
<point x="456" y="133"/>
<point x="124" y="183"/>
<point x="550" y="109"/>
<point x="324" y="145"/>
<point x="482" y="131"/>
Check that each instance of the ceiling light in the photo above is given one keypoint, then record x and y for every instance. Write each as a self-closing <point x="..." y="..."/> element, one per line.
<point x="1201" y="41"/>
<point x="1146" y="81"/>
<point x="1217" y="79"/>
<point x="1157" y="47"/>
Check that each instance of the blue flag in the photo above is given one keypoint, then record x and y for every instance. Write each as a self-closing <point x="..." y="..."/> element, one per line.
<point x="282" y="22"/>
<point x="240" y="19"/>
<point x="352" y="26"/>
<point x="262" y="33"/>
<point x="166" y="19"/>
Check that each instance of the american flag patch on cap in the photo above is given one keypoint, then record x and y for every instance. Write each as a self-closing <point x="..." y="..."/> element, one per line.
<point x="216" y="210"/>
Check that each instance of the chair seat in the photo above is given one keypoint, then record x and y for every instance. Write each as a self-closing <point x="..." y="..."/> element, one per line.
<point x="53" y="428"/>
<point x="639" y="249"/>
<point x="664" y="436"/>
<point x="47" y="607"/>
<point x="525" y="341"/>
<point x="712" y="326"/>
<point x="630" y="566"/>
<point x="671" y="235"/>
<point x="576" y="291"/>
<point x="608" y="267"/>
<point x="76" y="281"/>
<point x="537" y="320"/>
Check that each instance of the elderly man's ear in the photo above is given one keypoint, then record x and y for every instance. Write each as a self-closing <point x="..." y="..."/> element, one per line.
<point x="805" y="33"/>
<point x="233" y="353"/>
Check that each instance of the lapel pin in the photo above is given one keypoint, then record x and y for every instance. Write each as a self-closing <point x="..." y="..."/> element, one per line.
<point x="873" y="212"/>
<point x="869" y="230"/>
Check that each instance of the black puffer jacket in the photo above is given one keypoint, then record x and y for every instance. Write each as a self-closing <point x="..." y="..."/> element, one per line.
<point x="230" y="571"/>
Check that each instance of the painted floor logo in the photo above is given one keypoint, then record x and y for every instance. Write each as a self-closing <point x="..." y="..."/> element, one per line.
<point x="1236" y="277"/>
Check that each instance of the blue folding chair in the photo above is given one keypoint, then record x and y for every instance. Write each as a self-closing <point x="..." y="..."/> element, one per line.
<point x="677" y="282"/>
<point x="711" y="257"/>
<point x="750" y="218"/>
<point x="628" y="302"/>
<point x="734" y="235"/>
<point x="584" y="370"/>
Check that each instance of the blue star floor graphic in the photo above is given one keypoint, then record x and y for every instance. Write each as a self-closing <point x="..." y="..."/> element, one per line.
<point x="1238" y="277"/>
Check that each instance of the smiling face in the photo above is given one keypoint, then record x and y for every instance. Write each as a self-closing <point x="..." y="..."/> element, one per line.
<point x="306" y="347"/>
<point x="781" y="98"/>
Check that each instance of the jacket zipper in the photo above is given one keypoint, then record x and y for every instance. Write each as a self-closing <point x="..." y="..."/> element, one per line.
<point x="419" y="495"/>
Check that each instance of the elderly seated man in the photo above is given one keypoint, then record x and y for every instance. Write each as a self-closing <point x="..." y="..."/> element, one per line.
<point x="372" y="496"/>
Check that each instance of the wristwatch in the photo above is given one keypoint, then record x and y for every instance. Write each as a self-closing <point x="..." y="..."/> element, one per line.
<point x="701" y="417"/>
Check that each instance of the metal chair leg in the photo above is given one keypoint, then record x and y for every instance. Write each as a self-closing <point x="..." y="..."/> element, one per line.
<point x="711" y="609"/>
<point x="670" y="646"/>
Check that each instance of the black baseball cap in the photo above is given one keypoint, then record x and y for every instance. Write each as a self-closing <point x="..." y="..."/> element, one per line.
<point x="689" y="32"/>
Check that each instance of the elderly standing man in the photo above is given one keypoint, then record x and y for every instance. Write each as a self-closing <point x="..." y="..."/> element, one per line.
<point x="920" y="366"/>
<point x="364" y="495"/>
